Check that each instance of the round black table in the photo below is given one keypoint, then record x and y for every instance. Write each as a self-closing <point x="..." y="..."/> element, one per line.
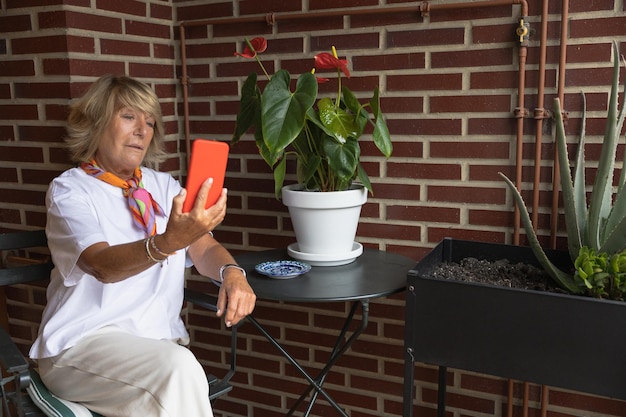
<point x="374" y="274"/>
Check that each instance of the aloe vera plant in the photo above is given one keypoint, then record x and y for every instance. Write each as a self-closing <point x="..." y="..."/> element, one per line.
<point x="599" y="227"/>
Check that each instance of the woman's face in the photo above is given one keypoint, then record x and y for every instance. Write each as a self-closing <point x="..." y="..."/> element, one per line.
<point x="125" y="142"/>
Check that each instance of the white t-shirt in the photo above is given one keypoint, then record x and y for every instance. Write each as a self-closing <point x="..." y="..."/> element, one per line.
<point x="83" y="210"/>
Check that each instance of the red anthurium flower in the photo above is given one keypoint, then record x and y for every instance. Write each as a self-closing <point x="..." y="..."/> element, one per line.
<point x="324" y="60"/>
<point x="259" y="45"/>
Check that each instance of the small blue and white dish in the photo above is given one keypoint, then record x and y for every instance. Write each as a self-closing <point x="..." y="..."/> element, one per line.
<point x="282" y="269"/>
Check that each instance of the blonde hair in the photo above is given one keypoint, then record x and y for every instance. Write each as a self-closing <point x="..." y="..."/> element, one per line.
<point x="90" y="115"/>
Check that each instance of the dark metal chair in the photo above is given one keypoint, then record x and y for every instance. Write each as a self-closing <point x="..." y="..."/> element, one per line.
<point x="17" y="374"/>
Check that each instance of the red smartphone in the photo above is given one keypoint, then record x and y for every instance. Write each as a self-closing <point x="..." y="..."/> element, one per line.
<point x="208" y="159"/>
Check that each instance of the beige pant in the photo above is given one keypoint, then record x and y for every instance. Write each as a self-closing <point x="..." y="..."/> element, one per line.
<point x="118" y="375"/>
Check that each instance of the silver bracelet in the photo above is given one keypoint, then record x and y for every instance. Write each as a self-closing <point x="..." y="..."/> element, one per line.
<point x="159" y="251"/>
<point x="149" y="254"/>
<point x="226" y="266"/>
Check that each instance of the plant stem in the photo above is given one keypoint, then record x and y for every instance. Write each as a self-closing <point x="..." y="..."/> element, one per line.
<point x="256" y="56"/>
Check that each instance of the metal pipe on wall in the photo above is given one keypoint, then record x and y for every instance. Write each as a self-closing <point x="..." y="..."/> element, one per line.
<point x="184" y="81"/>
<point x="556" y="176"/>
<point x="540" y="114"/>
<point x="540" y="111"/>
<point x="521" y="113"/>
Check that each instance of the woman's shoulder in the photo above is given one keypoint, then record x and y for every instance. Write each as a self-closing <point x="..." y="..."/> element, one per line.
<point x="69" y="176"/>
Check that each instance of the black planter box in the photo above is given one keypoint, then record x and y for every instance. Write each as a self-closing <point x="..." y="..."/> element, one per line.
<point x="559" y="340"/>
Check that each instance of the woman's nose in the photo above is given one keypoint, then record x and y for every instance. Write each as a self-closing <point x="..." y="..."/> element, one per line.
<point x="142" y="127"/>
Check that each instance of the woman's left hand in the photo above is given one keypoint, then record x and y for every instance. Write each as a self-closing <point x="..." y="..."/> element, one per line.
<point x="236" y="299"/>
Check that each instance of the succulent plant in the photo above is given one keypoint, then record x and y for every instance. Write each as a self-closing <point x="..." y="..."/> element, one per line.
<point x="599" y="227"/>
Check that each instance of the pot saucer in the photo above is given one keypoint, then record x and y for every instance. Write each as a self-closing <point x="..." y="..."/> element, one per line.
<point x="326" y="259"/>
<point x="282" y="269"/>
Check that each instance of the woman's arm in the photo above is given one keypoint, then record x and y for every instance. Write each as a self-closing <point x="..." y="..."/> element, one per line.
<point x="115" y="263"/>
<point x="235" y="294"/>
<point x="110" y="264"/>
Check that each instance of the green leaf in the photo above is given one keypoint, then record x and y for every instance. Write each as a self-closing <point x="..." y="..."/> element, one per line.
<point x="307" y="168"/>
<point x="580" y="192"/>
<point x="620" y="122"/>
<point x="365" y="179"/>
<point x="249" y="107"/>
<point x="340" y="123"/>
<point x="600" y="204"/>
<point x="572" y="216"/>
<point x="343" y="159"/>
<point x="279" y="176"/>
<point x="563" y="279"/>
<point x="381" y="136"/>
<point x="614" y="241"/>
<point x="283" y="112"/>
<point x="361" y="116"/>
<point x="618" y="212"/>
<point x="263" y="151"/>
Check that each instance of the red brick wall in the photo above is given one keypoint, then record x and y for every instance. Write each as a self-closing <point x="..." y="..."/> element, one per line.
<point x="50" y="54"/>
<point x="449" y="89"/>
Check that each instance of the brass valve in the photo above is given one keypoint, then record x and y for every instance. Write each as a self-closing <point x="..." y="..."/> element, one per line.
<point x="522" y="31"/>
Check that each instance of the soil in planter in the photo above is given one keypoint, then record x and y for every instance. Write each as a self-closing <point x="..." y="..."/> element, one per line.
<point x="501" y="273"/>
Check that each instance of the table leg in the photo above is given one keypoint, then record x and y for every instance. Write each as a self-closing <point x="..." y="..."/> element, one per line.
<point x="441" y="392"/>
<point x="338" y="350"/>
<point x="409" y="383"/>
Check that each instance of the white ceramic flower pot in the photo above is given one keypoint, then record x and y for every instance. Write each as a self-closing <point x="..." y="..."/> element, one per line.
<point x="325" y="223"/>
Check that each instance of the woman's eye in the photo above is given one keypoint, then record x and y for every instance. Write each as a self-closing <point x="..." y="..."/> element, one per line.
<point x="128" y="116"/>
<point x="150" y="124"/>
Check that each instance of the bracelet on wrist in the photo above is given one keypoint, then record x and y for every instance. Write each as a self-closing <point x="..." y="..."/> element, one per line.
<point x="149" y="254"/>
<point x="226" y="266"/>
<point x="157" y="250"/>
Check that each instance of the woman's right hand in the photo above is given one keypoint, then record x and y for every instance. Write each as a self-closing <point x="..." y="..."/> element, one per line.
<point x="185" y="228"/>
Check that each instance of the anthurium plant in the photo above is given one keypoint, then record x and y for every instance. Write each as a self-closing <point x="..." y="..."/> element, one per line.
<point x="596" y="232"/>
<point x="321" y="133"/>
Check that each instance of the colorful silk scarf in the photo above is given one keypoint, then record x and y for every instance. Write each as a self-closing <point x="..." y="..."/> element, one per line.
<point x="140" y="201"/>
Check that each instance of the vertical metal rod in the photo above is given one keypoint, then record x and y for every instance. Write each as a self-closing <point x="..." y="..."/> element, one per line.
<point x="540" y="113"/>
<point x="441" y="391"/>
<point x="184" y="81"/>
<point x="556" y="175"/>
<point x="523" y="52"/>
<point x="544" y="400"/>
<point x="409" y="383"/>
<point x="526" y="392"/>
<point x="509" y="405"/>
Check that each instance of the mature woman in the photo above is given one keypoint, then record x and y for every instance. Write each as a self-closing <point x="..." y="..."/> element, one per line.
<point x="111" y="336"/>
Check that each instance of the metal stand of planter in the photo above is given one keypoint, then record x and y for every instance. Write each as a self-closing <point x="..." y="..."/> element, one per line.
<point x="547" y="338"/>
